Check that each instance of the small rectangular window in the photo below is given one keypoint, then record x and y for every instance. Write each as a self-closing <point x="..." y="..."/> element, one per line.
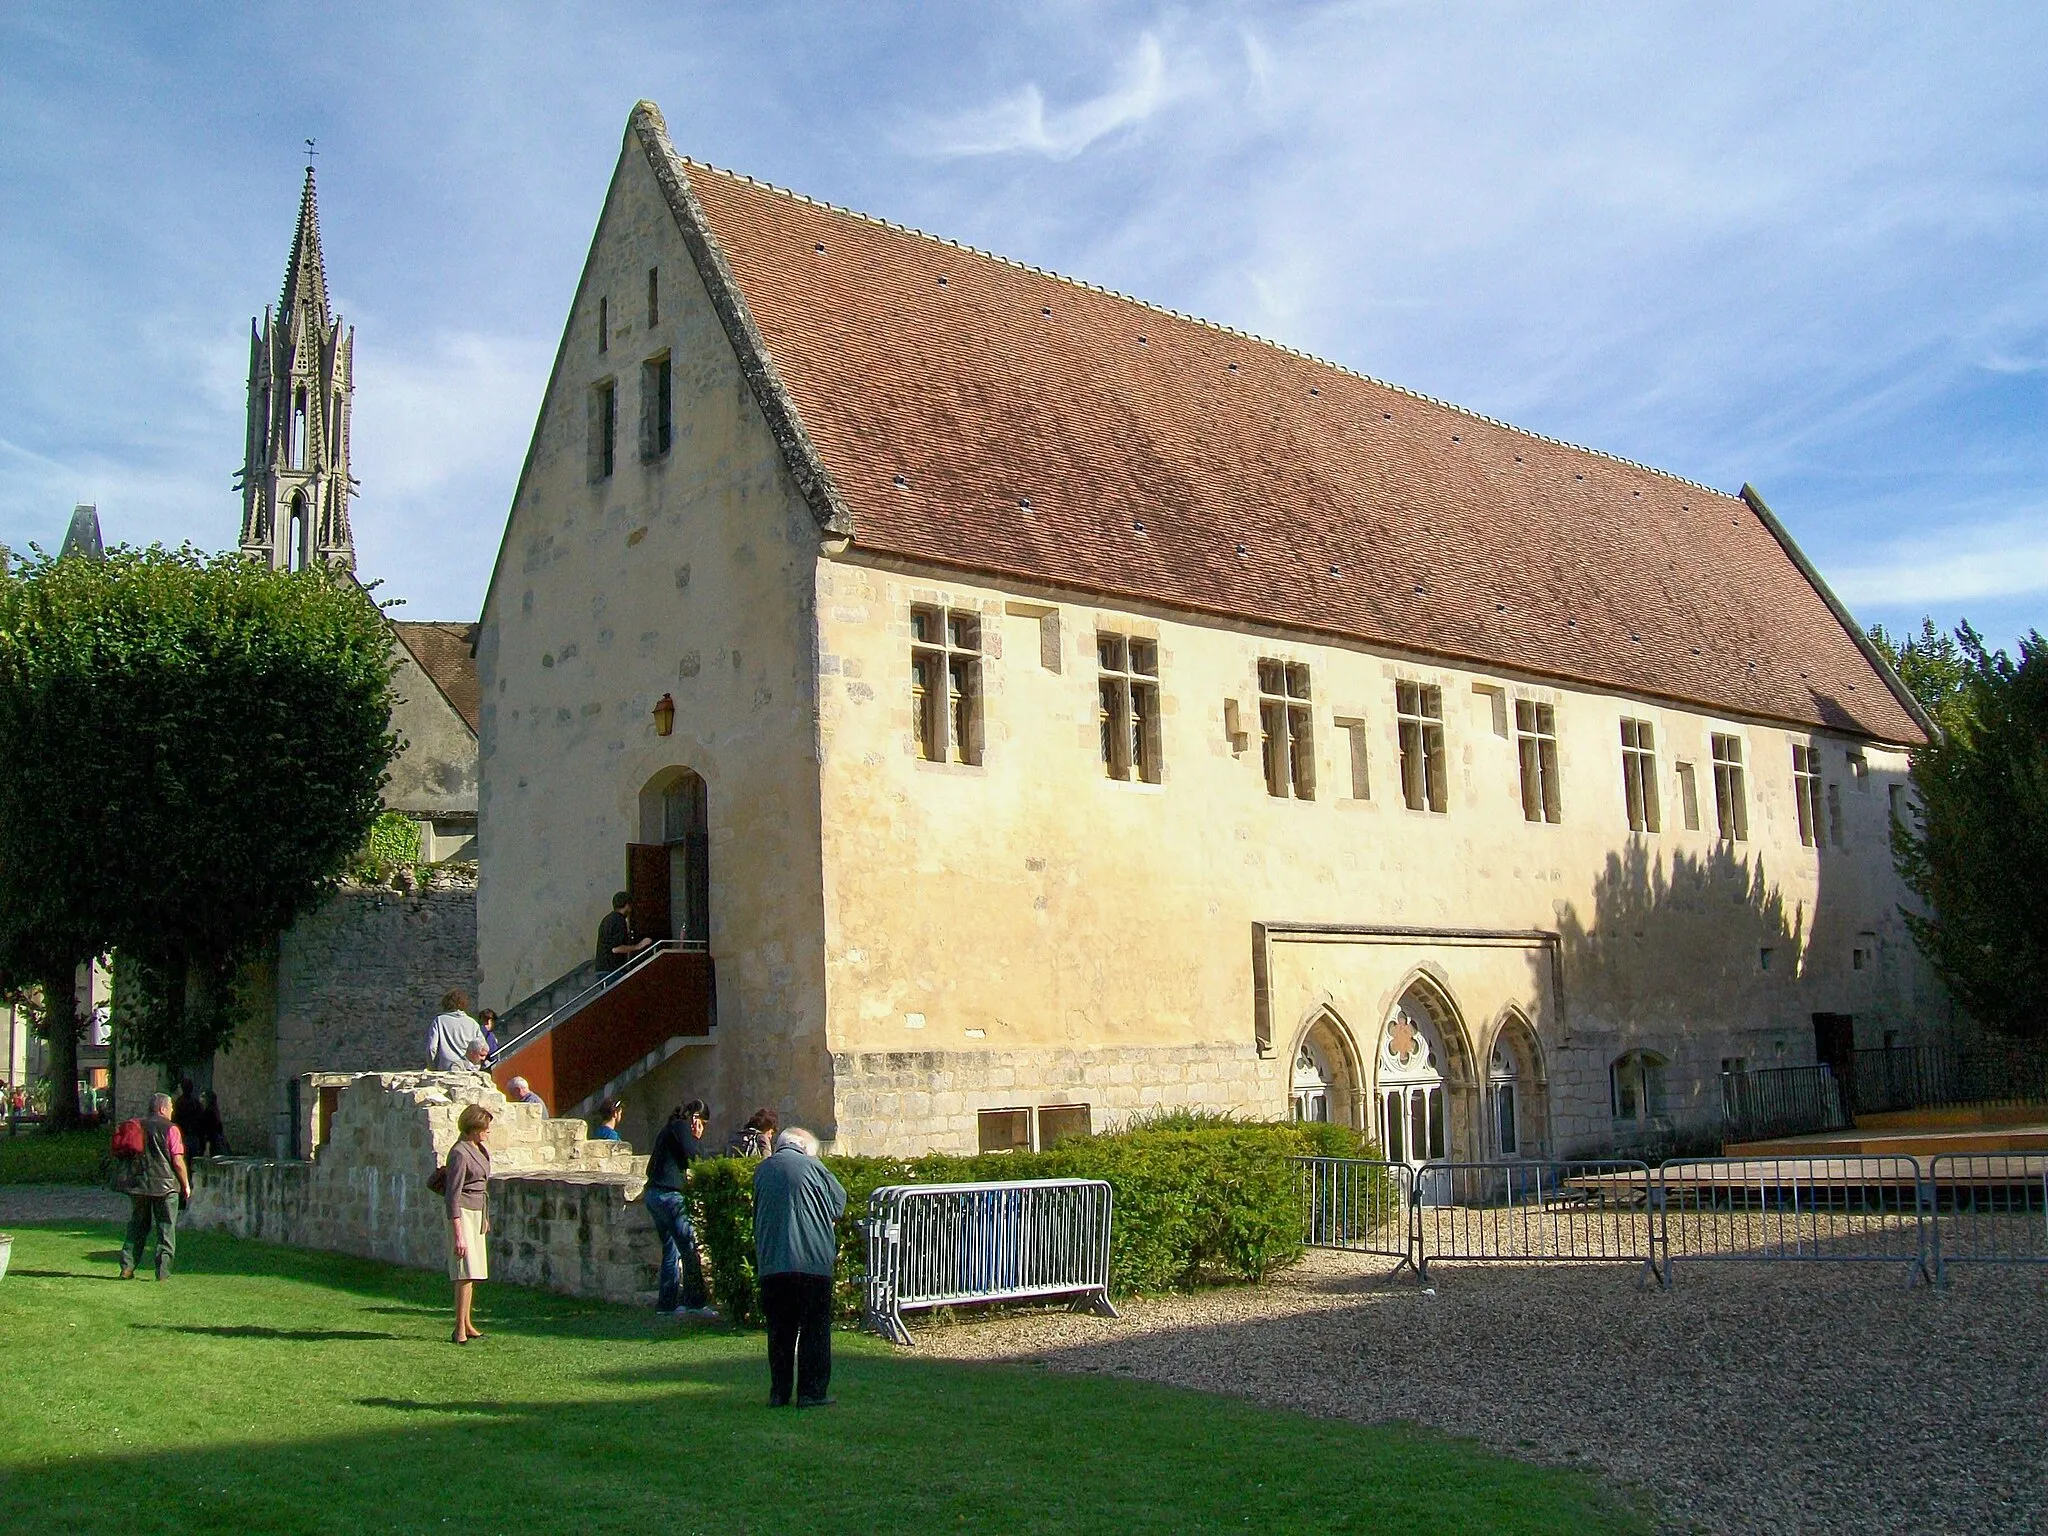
<point x="653" y="297"/>
<point x="1835" y="814"/>
<point x="657" y="419"/>
<point x="604" y="428"/>
<point x="1419" y="715"/>
<point x="1731" y="808"/>
<point x="945" y="684"/>
<point x="1289" y="735"/>
<point x="1895" y="796"/>
<point x="1353" y="731"/>
<point x="1688" y="797"/>
<point x="1859" y="770"/>
<point x="1061" y="1122"/>
<point x="1639" y="775"/>
<point x="604" y="326"/>
<point x="1004" y="1130"/>
<point x="1128" y="689"/>
<point x="1806" y="792"/>
<point x="1536" y="745"/>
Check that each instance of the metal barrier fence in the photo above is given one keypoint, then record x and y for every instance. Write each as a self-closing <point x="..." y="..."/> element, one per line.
<point x="1863" y="1210"/>
<point x="1586" y="1212"/>
<point x="1988" y="1208"/>
<point x="1966" y="1208"/>
<point x="1359" y="1206"/>
<point x="935" y="1245"/>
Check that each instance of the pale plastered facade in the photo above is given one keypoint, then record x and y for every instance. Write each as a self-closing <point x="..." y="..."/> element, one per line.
<point x="903" y="945"/>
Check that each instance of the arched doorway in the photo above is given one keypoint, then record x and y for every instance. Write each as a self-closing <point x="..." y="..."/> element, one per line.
<point x="668" y="872"/>
<point x="1414" y="1095"/>
<point x="1517" y="1096"/>
<point x="1324" y="1083"/>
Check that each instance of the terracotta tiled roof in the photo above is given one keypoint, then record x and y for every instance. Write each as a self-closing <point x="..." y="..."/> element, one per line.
<point x="443" y="652"/>
<point x="974" y="413"/>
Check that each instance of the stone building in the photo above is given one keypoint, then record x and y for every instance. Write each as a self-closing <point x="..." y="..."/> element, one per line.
<point x="1039" y="707"/>
<point x="351" y="987"/>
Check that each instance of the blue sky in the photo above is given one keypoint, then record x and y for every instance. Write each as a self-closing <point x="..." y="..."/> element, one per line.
<point x="1798" y="246"/>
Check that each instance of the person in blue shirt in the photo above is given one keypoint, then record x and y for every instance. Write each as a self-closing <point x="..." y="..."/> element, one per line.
<point x="609" y="1114"/>
<point x="668" y="1176"/>
<point x="797" y="1206"/>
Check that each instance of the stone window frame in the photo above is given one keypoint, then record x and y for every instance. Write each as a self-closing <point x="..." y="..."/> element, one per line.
<point x="1419" y="728"/>
<point x="1731" y="793"/>
<point x="657" y="406"/>
<point x="1128" y="706"/>
<point x="1636" y="1087"/>
<point x="1536" y="758"/>
<point x="1287" y="727"/>
<point x="1639" y="775"/>
<point x="995" y="1130"/>
<point x="946" y="684"/>
<point x="1355" y="730"/>
<point x="1688" y="794"/>
<point x="1806" y="793"/>
<point x="603" y="429"/>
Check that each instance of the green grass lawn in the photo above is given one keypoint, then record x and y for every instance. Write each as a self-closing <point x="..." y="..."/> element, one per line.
<point x="267" y="1389"/>
<point x="68" y="1157"/>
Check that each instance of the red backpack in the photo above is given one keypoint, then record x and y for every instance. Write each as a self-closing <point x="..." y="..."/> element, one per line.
<point x="128" y="1140"/>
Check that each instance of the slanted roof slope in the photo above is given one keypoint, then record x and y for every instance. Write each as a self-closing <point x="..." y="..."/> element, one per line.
<point x="444" y="652"/>
<point x="974" y="413"/>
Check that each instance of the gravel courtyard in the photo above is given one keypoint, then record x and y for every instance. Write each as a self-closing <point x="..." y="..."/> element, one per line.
<point x="1747" y="1398"/>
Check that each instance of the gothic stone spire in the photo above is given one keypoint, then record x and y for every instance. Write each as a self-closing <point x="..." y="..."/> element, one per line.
<point x="295" y="479"/>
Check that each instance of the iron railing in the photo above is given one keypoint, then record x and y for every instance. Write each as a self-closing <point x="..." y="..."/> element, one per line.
<point x="935" y="1245"/>
<point x="1888" y="1079"/>
<point x="1782" y="1101"/>
<point x="1869" y="1210"/>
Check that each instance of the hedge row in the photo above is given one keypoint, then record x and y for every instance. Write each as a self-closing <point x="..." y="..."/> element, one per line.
<point x="1195" y="1206"/>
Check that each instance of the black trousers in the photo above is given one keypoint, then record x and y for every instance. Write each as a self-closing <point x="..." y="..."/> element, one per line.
<point x="799" y="1312"/>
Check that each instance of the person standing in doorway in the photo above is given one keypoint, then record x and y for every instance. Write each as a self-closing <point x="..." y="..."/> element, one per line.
<point x="161" y="1180"/>
<point x="616" y="943"/>
<point x="467" y="1187"/>
<point x="681" y="1293"/>
<point x="797" y="1206"/>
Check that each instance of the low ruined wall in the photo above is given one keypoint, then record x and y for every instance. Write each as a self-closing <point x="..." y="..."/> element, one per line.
<point x="565" y="1212"/>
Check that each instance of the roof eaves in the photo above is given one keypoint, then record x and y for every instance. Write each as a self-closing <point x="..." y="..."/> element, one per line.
<point x="1160" y="309"/>
<point x="1871" y="653"/>
<point x="798" y="452"/>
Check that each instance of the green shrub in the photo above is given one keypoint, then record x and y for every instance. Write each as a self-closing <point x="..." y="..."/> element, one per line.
<point x="1214" y="1203"/>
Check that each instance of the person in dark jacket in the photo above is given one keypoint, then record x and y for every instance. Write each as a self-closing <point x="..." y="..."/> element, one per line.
<point x="797" y="1206"/>
<point x="212" y="1129"/>
<point x="159" y="1179"/>
<point x="668" y="1176"/>
<point x="189" y="1116"/>
<point x="467" y="1187"/>
<point x="756" y="1138"/>
<point x="616" y="943"/>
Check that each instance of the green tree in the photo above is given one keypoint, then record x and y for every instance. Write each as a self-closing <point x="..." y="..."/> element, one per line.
<point x="1977" y="851"/>
<point x="1934" y="668"/>
<point x="191" y="749"/>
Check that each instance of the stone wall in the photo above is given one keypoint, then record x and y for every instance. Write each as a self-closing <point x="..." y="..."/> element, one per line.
<point x="565" y="1212"/>
<point x="353" y="988"/>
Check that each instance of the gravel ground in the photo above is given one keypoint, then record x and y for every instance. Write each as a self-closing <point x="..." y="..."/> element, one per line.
<point x="60" y="1202"/>
<point x="1747" y="1398"/>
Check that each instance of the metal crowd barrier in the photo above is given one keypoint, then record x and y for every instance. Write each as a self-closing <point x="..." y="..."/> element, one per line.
<point x="1537" y="1212"/>
<point x="1966" y="1208"/>
<point x="1989" y="1208"/>
<point x="1359" y="1206"/>
<point x="1842" y="1210"/>
<point x="936" y="1245"/>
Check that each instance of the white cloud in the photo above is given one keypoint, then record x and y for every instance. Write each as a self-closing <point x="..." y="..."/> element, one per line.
<point x="2008" y="558"/>
<point x="1021" y="122"/>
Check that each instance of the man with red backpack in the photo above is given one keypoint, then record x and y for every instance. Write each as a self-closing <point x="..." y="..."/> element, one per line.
<point x="154" y="1173"/>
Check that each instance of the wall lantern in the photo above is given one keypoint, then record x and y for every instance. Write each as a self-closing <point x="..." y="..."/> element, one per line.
<point x="664" y="715"/>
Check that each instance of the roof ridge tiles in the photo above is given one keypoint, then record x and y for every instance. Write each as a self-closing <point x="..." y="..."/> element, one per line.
<point x="1212" y="325"/>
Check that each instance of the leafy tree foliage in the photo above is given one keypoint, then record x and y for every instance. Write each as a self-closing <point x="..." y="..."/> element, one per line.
<point x="1977" y="855"/>
<point x="1934" y="668"/>
<point x="191" y="749"/>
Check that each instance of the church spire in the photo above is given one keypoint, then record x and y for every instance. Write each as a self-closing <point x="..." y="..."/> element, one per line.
<point x="295" y="480"/>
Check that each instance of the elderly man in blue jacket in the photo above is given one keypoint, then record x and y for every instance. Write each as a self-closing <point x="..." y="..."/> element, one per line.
<point x="797" y="1206"/>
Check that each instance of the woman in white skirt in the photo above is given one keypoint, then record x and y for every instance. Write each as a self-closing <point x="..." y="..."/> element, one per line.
<point x="468" y="1180"/>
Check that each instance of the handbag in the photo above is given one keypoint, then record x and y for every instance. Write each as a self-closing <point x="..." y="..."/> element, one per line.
<point x="437" y="1181"/>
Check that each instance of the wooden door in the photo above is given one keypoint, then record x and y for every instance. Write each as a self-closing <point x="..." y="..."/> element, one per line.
<point x="647" y="885"/>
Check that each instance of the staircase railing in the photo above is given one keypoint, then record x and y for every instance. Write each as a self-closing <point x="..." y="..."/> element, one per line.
<point x="601" y="1031"/>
